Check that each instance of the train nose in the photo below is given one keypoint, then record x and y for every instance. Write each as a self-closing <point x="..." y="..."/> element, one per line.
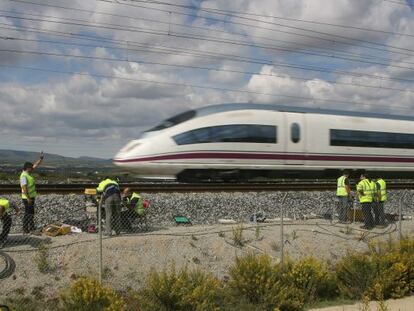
<point x="126" y="152"/>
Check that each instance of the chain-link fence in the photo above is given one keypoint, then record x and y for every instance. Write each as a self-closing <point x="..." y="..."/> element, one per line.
<point x="197" y="230"/>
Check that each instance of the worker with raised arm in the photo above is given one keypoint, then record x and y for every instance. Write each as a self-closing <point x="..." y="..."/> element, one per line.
<point x="29" y="194"/>
<point x="111" y="199"/>
<point x="343" y="192"/>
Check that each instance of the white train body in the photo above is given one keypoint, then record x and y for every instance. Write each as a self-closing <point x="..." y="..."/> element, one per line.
<point x="271" y="138"/>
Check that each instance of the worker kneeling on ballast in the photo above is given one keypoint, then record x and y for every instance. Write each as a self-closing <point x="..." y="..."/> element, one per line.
<point x="135" y="208"/>
<point x="6" y="219"/>
<point x="111" y="199"/>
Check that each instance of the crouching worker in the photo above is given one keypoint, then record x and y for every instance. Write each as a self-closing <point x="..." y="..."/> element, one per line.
<point x="135" y="208"/>
<point x="5" y="219"/>
<point x="111" y="199"/>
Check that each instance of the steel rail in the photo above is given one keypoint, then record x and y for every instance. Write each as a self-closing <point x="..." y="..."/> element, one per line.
<point x="199" y="187"/>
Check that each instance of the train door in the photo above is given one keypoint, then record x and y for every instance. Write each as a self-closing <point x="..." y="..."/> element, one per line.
<point x="295" y="138"/>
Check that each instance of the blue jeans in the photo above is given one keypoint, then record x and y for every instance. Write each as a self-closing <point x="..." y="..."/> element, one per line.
<point x="28" y="217"/>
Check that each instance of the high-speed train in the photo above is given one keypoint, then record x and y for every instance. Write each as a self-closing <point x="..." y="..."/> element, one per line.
<point x="249" y="140"/>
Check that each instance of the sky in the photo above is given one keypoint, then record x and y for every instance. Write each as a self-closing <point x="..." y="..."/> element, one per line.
<point x="82" y="78"/>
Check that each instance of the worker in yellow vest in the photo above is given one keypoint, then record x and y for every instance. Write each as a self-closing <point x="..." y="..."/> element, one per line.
<point x="5" y="219"/>
<point x="381" y="188"/>
<point x="29" y="194"/>
<point x="366" y="190"/>
<point x="111" y="199"/>
<point x="135" y="208"/>
<point x="343" y="192"/>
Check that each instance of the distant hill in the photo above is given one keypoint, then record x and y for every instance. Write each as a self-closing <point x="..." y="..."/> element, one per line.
<point x="14" y="157"/>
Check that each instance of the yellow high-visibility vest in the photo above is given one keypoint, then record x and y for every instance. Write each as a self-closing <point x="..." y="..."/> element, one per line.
<point x="341" y="189"/>
<point x="366" y="187"/>
<point x="139" y="208"/>
<point x="5" y="203"/>
<point x="104" y="183"/>
<point x="31" y="186"/>
<point x="383" y="190"/>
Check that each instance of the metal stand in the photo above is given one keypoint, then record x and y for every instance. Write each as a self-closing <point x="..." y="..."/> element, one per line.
<point x="100" y="239"/>
<point x="282" y="242"/>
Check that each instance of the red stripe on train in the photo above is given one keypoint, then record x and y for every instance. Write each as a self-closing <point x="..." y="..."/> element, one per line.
<point x="268" y="156"/>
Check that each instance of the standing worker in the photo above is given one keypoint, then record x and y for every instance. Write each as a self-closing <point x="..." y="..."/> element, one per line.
<point x="28" y="185"/>
<point x="381" y="188"/>
<point x="111" y="197"/>
<point x="5" y="219"/>
<point x="343" y="192"/>
<point x="366" y="193"/>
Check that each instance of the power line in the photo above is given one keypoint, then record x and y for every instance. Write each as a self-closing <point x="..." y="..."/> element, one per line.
<point x="255" y="26"/>
<point x="204" y="38"/>
<point x="128" y="59"/>
<point x="184" y="85"/>
<point x="180" y="25"/>
<point x="236" y="12"/>
<point x="397" y="2"/>
<point x="214" y="55"/>
<point x="212" y="10"/>
<point x="312" y="22"/>
<point x="256" y="20"/>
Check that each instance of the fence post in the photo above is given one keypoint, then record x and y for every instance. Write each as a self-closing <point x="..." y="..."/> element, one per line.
<point x="282" y="244"/>
<point x="400" y="216"/>
<point x="100" y="240"/>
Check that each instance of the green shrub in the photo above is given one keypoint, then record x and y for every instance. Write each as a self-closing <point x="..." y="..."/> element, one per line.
<point x="259" y="282"/>
<point x="356" y="274"/>
<point x="238" y="238"/>
<point x="394" y="261"/>
<point x="312" y="278"/>
<point x="182" y="290"/>
<point x="42" y="259"/>
<point x="87" y="294"/>
<point x="388" y="266"/>
<point x="406" y="249"/>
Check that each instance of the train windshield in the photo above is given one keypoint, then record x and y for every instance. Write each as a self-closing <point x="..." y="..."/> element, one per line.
<point x="182" y="117"/>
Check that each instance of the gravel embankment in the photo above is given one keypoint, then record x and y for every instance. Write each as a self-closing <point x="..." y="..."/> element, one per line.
<point x="205" y="208"/>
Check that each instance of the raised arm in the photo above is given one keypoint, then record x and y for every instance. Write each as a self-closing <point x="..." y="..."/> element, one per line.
<point x="38" y="162"/>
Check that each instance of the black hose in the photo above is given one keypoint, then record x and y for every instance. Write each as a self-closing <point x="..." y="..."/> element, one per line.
<point x="9" y="265"/>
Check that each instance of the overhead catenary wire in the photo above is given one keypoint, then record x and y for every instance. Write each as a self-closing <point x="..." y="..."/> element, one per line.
<point x="253" y="26"/>
<point x="182" y="25"/>
<point x="260" y="21"/>
<point x="214" y="55"/>
<point x="404" y="3"/>
<point x="291" y="19"/>
<point x="152" y="31"/>
<point x="129" y="59"/>
<point x="185" y="85"/>
<point x="170" y="23"/>
<point x="248" y="13"/>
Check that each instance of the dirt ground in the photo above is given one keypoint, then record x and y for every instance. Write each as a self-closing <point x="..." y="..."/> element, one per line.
<point x="128" y="258"/>
<point x="405" y="304"/>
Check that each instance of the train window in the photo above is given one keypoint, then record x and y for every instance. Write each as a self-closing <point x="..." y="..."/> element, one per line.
<point x="371" y="139"/>
<point x="235" y="133"/>
<point x="295" y="132"/>
<point x="182" y="117"/>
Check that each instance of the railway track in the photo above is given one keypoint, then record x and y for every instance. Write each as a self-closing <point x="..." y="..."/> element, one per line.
<point x="200" y="187"/>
